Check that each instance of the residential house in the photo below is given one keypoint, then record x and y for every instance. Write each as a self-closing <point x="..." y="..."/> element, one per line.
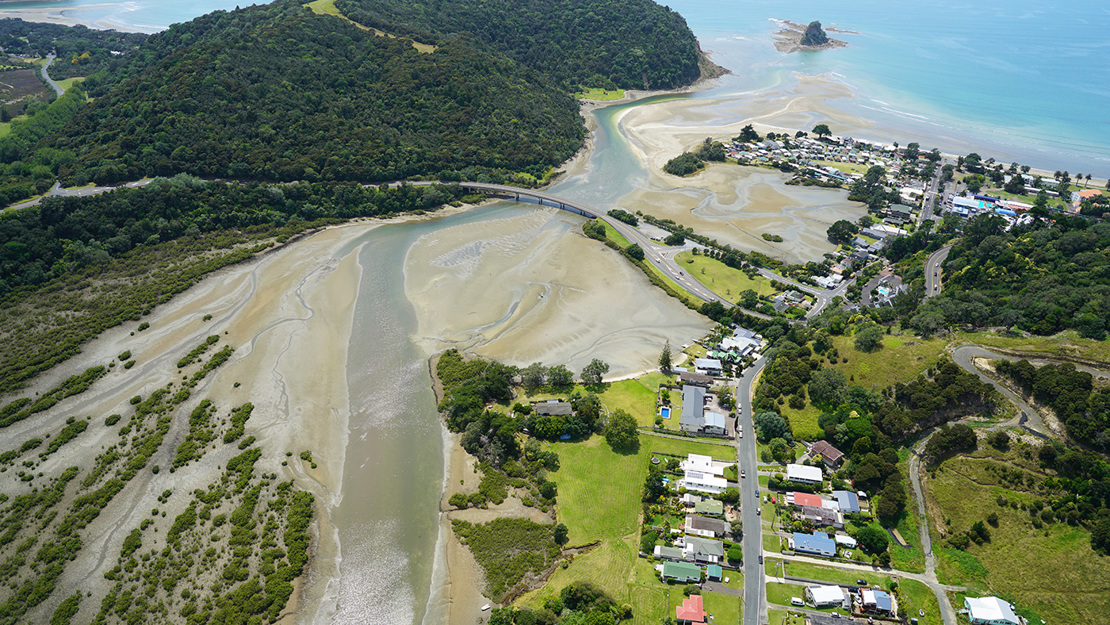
<point x="1077" y="197"/>
<point x="803" y="474"/>
<point x="708" y="366"/>
<point x="848" y="501"/>
<point x="826" y="596"/>
<point x="705" y="527"/>
<point x="714" y="573"/>
<point x="845" y="541"/>
<point x="703" y="550"/>
<point x="831" y="455"/>
<point x="710" y="506"/>
<point x="553" y="408"/>
<point x="990" y="611"/>
<point x="690" y="611"/>
<point x="877" y="602"/>
<point x="813" y="544"/>
<point x="695" y="418"/>
<point x="667" y="553"/>
<point x="682" y="572"/>
<point x="695" y="379"/>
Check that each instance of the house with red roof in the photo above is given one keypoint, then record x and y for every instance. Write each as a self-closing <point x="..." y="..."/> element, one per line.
<point x="691" y="612"/>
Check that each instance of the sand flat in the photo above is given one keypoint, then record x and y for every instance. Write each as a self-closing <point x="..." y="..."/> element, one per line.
<point x="536" y="290"/>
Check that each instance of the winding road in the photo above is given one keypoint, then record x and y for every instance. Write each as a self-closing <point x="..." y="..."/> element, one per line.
<point x="934" y="271"/>
<point x="46" y="77"/>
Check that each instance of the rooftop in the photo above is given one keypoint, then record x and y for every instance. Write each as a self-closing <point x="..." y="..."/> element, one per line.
<point x="806" y="499"/>
<point x="691" y="610"/>
<point x="990" y="609"/>
<point x="803" y="473"/>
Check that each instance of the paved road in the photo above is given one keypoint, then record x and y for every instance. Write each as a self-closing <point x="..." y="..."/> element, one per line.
<point x="965" y="355"/>
<point x="755" y="604"/>
<point x="934" y="271"/>
<point x="58" y="191"/>
<point x="930" y="193"/>
<point x="50" y="81"/>
<point x="823" y="297"/>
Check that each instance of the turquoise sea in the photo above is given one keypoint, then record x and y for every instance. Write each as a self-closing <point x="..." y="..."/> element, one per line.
<point x="1025" y="80"/>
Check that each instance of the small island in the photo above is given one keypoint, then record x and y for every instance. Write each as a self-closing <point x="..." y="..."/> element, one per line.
<point x="794" y="37"/>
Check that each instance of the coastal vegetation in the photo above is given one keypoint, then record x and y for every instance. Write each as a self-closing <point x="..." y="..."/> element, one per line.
<point x="80" y="50"/>
<point x="609" y="44"/>
<point x="814" y="35"/>
<point x="1083" y="409"/>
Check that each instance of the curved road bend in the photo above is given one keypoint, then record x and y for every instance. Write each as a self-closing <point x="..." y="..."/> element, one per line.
<point x="46" y="77"/>
<point x="933" y="270"/>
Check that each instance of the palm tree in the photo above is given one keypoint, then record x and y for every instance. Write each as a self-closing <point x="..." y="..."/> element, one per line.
<point x="1088" y="179"/>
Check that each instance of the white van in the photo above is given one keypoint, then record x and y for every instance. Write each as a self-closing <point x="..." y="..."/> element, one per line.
<point x="796" y="601"/>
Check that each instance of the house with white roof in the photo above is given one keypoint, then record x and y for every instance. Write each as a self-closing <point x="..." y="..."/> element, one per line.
<point x="990" y="611"/>
<point x="803" y="474"/>
<point x="826" y="596"/>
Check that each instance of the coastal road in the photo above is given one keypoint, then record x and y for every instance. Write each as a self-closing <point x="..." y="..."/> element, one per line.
<point x="58" y="191"/>
<point x="46" y="77"/>
<point x="933" y="270"/>
<point x="755" y="604"/>
<point x="822" y="297"/>
<point x="930" y="194"/>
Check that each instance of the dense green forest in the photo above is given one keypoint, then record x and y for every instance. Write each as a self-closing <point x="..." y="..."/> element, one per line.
<point x="1042" y="278"/>
<point x="1083" y="409"/>
<point x="630" y="44"/>
<point x="81" y="50"/>
<point x="279" y="93"/>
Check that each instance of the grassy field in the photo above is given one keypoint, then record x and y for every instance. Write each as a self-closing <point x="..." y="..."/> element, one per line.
<point x="722" y="279"/>
<point x="327" y="7"/>
<point x="848" y="168"/>
<point x="599" y="500"/>
<point x="1014" y="563"/>
<point x="833" y="574"/>
<point x="772" y="542"/>
<point x="595" y="93"/>
<point x="66" y="83"/>
<point x="1066" y="343"/>
<point x="783" y="617"/>
<point x="780" y="594"/>
<point x="803" y="422"/>
<point x="633" y="396"/>
<point x="900" y="360"/>
<point x="914" y="596"/>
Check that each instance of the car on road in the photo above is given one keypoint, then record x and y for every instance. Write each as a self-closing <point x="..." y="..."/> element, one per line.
<point x="761" y="559"/>
<point x="759" y="511"/>
<point x="743" y="473"/>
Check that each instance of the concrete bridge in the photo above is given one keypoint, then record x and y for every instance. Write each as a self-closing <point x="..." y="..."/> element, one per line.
<point x="539" y="196"/>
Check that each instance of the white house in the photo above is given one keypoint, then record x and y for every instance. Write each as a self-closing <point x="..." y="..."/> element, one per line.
<point x="708" y="366"/>
<point x="826" y="596"/>
<point x="990" y="611"/>
<point x="703" y="482"/>
<point x="802" y="474"/>
<point x="702" y="464"/>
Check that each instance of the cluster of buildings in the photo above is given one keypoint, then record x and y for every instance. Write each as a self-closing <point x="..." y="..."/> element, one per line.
<point x="824" y="512"/>
<point x="864" y="600"/>
<point x="804" y="150"/>
<point x="735" y="349"/>
<point x="700" y="549"/>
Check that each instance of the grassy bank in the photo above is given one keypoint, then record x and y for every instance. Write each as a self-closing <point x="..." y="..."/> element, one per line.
<point x="901" y="359"/>
<point x="1012" y="564"/>
<point x="1062" y="345"/>
<point x="595" y="93"/>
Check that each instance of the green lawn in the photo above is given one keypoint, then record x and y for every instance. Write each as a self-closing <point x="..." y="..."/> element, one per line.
<point x="780" y="594"/>
<point x="66" y="83"/>
<point x="772" y="542"/>
<point x="848" y="168"/>
<point x="722" y="279"/>
<point x="914" y="596"/>
<point x="595" y="93"/>
<point x="783" y="617"/>
<point x="599" y="500"/>
<point x="324" y="7"/>
<point x="1066" y="343"/>
<point x="803" y="422"/>
<point x="834" y="574"/>
<point x="722" y="608"/>
<point x="1016" y="561"/>
<point x="615" y="236"/>
<point x="900" y="360"/>
<point x="911" y="558"/>
<point x="633" y="397"/>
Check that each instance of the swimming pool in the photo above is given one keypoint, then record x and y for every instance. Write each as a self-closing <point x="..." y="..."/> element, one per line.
<point x="665" y="413"/>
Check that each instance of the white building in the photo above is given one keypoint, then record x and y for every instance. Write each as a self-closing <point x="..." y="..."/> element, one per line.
<point x="843" y="540"/>
<point x="703" y="482"/>
<point x="802" y="474"/>
<point x="990" y="611"/>
<point x="826" y="596"/>
<point x="702" y="464"/>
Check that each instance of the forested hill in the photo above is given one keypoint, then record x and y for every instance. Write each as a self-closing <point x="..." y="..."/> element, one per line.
<point x="631" y="44"/>
<point x="279" y="93"/>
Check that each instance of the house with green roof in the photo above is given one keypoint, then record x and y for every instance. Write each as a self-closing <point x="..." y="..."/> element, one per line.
<point x="680" y="572"/>
<point x="710" y="506"/>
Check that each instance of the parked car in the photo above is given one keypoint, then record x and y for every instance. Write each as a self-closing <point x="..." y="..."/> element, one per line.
<point x="862" y="582"/>
<point x="743" y="473"/>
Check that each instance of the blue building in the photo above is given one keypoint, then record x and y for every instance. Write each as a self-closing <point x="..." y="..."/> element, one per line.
<point x="849" y="501"/>
<point x="814" y="544"/>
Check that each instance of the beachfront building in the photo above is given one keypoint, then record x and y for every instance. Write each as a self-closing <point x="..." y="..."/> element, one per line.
<point x="826" y="596"/>
<point x="696" y="549"/>
<point x="990" y="611"/>
<point x="695" y="418"/>
<point x="682" y="572"/>
<point x="690" y="611"/>
<point x="802" y="474"/>
<point x="705" y="527"/>
<point x="813" y="544"/>
<point x="1077" y="197"/>
<point x="708" y="366"/>
<point x="695" y="379"/>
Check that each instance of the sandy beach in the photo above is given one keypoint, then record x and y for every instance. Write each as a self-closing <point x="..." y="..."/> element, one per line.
<point x="64" y="17"/>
